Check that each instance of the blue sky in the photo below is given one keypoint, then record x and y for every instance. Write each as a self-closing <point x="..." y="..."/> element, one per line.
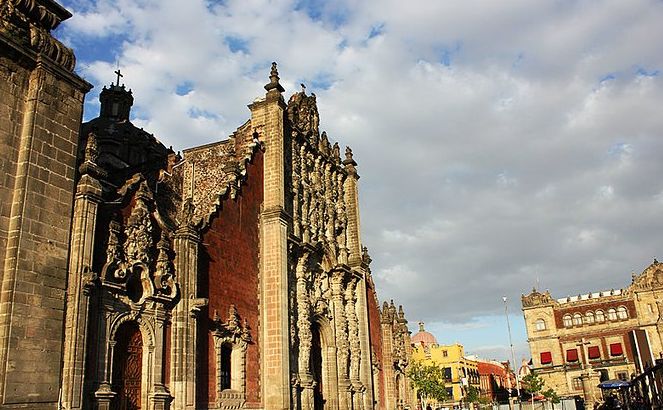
<point x="500" y="144"/>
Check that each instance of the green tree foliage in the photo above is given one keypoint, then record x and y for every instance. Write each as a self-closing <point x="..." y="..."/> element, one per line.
<point x="473" y="395"/>
<point x="534" y="384"/>
<point x="429" y="382"/>
<point x="551" y="395"/>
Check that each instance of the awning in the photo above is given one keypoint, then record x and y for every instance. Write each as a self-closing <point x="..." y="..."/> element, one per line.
<point x="614" y="384"/>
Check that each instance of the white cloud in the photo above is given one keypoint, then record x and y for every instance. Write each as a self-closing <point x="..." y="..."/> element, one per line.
<point x="497" y="142"/>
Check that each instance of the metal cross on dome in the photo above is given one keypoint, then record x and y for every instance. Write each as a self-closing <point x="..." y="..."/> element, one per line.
<point x="119" y="74"/>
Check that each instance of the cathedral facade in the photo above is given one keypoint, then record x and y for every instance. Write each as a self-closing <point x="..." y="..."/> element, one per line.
<point x="229" y="276"/>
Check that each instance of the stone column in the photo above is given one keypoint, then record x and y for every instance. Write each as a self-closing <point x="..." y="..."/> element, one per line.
<point x="365" y="369"/>
<point x="160" y="398"/>
<point x="386" y="324"/>
<point x="82" y="242"/>
<point x="590" y="380"/>
<point x="304" y="336"/>
<point x="355" y="344"/>
<point x="351" y="192"/>
<point x="184" y="328"/>
<point x="267" y="119"/>
<point x="340" y="326"/>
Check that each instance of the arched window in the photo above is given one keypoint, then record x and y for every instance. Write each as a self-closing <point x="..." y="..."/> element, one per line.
<point x="622" y="313"/>
<point x="600" y="316"/>
<point x="231" y="340"/>
<point x="577" y="319"/>
<point x="589" y="318"/>
<point x="540" y="324"/>
<point x="612" y="314"/>
<point x="568" y="321"/>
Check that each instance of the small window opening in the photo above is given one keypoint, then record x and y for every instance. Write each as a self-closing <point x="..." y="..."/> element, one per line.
<point x="226" y="352"/>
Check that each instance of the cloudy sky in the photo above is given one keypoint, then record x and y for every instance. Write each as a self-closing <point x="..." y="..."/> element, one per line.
<point x="501" y="144"/>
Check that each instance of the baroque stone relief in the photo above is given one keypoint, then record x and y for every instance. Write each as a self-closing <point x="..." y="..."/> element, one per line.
<point x="210" y="173"/>
<point x="136" y="268"/>
<point x="536" y="298"/>
<point x="650" y="278"/>
<point x="324" y="294"/>
<point x="31" y="19"/>
<point x="237" y="335"/>
<point x="317" y="191"/>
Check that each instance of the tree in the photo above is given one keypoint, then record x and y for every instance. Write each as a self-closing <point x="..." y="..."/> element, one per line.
<point x="535" y="384"/>
<point x="473" y="395"/>
<point x="429" y="382"/>
<point x="551" y="395"/>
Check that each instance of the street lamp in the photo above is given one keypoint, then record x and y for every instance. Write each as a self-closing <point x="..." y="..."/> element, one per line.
<point x="513" y="356"/>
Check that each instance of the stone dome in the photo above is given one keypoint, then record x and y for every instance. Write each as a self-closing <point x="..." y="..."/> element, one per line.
<point x="423" y="337"/>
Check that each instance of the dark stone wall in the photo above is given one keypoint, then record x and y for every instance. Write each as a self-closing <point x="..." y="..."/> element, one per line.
<point x="40" y="112"/>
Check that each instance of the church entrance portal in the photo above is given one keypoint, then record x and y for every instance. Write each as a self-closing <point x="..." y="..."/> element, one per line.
<point x="128" y="367"/>
<point x="316" y="369"/>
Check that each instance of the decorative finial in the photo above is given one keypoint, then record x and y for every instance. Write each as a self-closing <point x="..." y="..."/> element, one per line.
<point x="91" y="149"/>
<point x="421" y="326"/>
<point x="119" y="74"/>
<point x="274" y="80"/>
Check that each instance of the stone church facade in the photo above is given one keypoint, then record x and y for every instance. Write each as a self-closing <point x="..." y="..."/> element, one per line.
<point x="229" y="276"/>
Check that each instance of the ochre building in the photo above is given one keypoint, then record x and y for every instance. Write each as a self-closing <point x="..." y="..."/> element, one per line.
<point x="229" y="276"/>
<point x="578" y="341"/>
<point x="459" y="372"/>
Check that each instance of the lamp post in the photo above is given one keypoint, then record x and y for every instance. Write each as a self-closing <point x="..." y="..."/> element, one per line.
<point x="513" y="356"/>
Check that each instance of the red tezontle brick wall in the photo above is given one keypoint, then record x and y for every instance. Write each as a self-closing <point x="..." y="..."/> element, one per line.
<point x="229" y="275"/>
<point x="376" y="341"/>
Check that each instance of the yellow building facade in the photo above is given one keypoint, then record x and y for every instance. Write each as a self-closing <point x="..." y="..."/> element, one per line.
<point x="459" y="372"/>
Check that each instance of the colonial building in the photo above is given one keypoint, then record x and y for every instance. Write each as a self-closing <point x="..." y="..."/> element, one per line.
<point x="496" y="380"/>
<point x="579" y="340"/>
<point x="459" y="371"/>
<point x="229" y="276"/>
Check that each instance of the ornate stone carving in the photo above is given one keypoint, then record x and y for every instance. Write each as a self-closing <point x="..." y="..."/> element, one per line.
<point x="164" y="275"/>
<point x="232" y="330"/>
<point x="353" y="329"/>
<point x="318" y="201"/>
<point x="303" y="316"/>
<point x="536" y="298"/>
<point x="211" y="172"/>
<point x="135" y="267"/>
<point x="237" y="335"/>
<point x="340" y="322"/>
<point x="650" y="278"/>
<point x="42" y="41"/>
<point x="139" y="229"/>
<point x="33" y="20"/>
<point x="303" y="114"/>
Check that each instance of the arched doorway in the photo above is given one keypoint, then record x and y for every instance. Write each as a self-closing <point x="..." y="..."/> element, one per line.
<point x="128" y="367"/>
<point x="316" y="368"/>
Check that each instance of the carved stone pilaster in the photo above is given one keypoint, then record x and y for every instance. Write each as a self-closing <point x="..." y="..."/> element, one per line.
<point x="305" y="336"/>
<point x="81" y="281"/>
<point x="341" y="326"/>
<point x="184" y="331"/>
<point x="353" y="329"/>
